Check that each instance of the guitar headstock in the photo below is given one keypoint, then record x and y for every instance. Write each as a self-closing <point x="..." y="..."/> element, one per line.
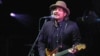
<point x="80" y="46"/>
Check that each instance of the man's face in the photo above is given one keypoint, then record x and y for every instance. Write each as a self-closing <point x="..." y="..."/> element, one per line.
<point x="59" y="13"/>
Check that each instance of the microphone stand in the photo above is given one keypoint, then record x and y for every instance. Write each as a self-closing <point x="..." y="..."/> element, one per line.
<point x="31" y="52"/>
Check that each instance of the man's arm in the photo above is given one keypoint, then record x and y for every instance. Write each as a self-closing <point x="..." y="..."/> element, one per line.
<point x="76" y="34"/>
<point x="41" y="42"/>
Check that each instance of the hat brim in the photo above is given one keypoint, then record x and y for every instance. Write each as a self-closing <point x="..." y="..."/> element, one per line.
<point x="53" y="6"/>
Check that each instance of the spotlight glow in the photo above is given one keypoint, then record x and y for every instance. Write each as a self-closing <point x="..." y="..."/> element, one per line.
<point x="0" y="1"/>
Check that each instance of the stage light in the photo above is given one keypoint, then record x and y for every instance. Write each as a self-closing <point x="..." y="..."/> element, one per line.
<point x="12" y="14"/>
<point x="24" y="19"/>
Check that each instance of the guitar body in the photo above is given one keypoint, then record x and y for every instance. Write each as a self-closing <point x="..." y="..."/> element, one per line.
<point x="51" y="53"/>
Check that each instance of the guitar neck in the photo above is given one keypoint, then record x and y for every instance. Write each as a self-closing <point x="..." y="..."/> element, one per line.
<point x="78" y="47"/>
<point x="61" y="53"/>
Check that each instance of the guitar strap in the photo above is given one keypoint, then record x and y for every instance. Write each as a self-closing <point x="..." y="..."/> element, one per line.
<point x="63" y="27"/>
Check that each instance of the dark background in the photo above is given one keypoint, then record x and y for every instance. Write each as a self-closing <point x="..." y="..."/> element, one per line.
<point x="17" y="38"/>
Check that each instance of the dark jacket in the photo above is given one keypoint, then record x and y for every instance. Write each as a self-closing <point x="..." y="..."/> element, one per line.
<point x="53" y="35"/>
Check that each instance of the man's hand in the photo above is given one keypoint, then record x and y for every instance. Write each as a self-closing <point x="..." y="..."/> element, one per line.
<point x="72" y="50"/>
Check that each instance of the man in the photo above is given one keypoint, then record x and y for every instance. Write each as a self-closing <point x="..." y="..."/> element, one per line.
<point x="59" y="33"/>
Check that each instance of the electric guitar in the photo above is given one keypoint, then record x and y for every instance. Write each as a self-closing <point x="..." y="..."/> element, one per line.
<point x="55" y="52"/>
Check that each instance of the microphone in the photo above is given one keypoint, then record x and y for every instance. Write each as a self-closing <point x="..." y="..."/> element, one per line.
<point x="45" y="17"/>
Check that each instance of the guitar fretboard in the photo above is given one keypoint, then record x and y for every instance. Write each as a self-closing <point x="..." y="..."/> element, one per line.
<point x="61" y="53"/>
